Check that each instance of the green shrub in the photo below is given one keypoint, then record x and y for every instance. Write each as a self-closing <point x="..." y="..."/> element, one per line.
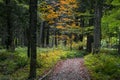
<point x="70" y="54"/>
<point x="9" y="62"/>
<point x="63" y="56"/>
<point x="103" y="66"/>
<point x="7" y="67"/>
<point x="3" y="56"/>
<point x="49" y="59"/>
<point x="21" y="51"/>
<point x="21" y="61"/>
<point x="5" y="77"/>
<point x="75" y="54"/>
<point x="10" y="67"/>
<point x="109" y="51"/>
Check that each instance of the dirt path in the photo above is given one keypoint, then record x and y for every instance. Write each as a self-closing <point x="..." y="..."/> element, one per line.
<point x="70" y="69"/>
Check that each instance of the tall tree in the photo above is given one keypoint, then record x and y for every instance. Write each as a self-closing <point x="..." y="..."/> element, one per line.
<point x="10" y="38"/>
<point x="33" y="27"/>
<point x="97" y="25"/>
<point x="29" y="42"/>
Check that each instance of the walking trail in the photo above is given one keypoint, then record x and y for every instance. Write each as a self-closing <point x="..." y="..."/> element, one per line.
<point x="70" y="69"/>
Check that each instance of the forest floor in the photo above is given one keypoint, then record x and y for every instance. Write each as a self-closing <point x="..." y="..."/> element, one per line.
<point x="70" y="69"/>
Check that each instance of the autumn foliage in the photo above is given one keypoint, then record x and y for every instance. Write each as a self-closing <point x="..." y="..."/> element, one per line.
<point x="61" y="13"/>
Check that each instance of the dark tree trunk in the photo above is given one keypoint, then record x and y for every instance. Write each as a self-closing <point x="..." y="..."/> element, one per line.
<point x="76" y="39"/>
<point x="47" y="36"/>
<point x="10" y="38"/>
<point x="97" y="26"/>
<point x="81" y="37"/>
<point x="52" y="43"/>
<point x="71" y="44"/>
<point x="71" y="41"/>
<point x="33" y="27"/>
<point x="28" y="42"/>
<point x="21" y="39"/>
<point x="56" y="42"/>
<point x="3" y="39"/>
<point x="43" y="35"/>
<point x="25" y="38"/>
<point x="89" y="36"/>
<point x="28" y="50"/>
<point x="89" y="43"/>
<point x="82" y="24"/>
<point x="38" y="35"/>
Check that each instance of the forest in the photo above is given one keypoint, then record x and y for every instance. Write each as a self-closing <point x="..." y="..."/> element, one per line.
<point x="59" y="39"/>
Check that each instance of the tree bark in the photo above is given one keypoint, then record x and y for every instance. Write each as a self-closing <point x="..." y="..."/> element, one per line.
<point x="56" y="42"/>
<point x="28" y="42"/>
<point x="47" y="36"/>
<point x="89" y="43"/>
<point x="33" y="27"/>
<point x="97" y="26"/>
<point x="41" y="32"/>
<point x="43" y="35"/>
<point x="10" y="37"/>
<point x="71" y="41"/>
<point x="89" y="36"/>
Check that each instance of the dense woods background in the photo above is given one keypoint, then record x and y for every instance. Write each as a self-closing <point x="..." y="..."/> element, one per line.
<point x="31" y="28"/>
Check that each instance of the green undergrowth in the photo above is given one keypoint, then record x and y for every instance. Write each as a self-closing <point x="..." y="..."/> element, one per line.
<point x="109" y="51"/>
<point x="75" y="54"/>
<point x="9" y="63"/>
<point x="15" y="66"/>
<point x="103" y="66"/>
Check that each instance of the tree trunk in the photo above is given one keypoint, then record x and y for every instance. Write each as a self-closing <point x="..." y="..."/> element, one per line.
<point x="10" y="38"/>
<point x="47" y="36"/>
<point x="89" y="43"/>
<point x="38" y="35"/>
<point x="33" y="27"/>
<point x="89" y="36"/>
<point x="97" y="26"/>
<point x="25" y="38"/>
<point x="41" y="32"/>
<point x="28" y="42"/>
<point x="43" y="35"/>
<point x="56" y="42"/>
<point x="71" y="41"/>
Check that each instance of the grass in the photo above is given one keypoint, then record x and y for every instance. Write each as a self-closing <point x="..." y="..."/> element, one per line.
<point x="16" y="65"/>
<point x="103" y="66"/>
<point x="10" y="63"/>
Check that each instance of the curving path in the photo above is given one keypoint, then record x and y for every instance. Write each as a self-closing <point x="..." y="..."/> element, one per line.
<point x="70" y="69"/>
